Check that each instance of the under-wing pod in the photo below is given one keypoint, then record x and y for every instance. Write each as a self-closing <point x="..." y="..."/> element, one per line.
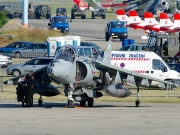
<point x="118" y="90"/>
<point x="45" y="89"/>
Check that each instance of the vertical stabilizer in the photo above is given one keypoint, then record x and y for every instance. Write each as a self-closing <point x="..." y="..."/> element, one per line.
<point x="80" y="3"/>
<point x="177" y="20"/>
<point x="149" y="19"/>
<point x="134" y="17"/>
<point x="165" y="21"/>
<point x="107" y="53"/>
<point x="121" y="15"/>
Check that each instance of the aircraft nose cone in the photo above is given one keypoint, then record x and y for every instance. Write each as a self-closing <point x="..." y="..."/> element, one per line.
<point x="56" y="72"/>
<point x="62" y="71"/>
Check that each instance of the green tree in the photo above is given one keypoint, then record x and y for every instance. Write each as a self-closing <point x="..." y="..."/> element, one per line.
<point x="3" y="19"/>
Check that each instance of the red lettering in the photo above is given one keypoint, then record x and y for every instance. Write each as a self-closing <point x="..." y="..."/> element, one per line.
<point x="166" y="21"/>
<point x="123" y="18"/>
<point x="150" y="21"/>
<point x="135" y="19"/>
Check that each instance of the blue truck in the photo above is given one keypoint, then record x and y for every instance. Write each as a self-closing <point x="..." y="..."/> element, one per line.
<point x="59" y="23"/>
<point x="116" y="29"/>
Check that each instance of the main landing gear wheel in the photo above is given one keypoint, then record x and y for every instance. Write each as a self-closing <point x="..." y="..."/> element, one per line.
<point x="137" y="103"/>
<point x="82" y="104"/>
<point x="90" y="102"/>
<point x="40" y="101"/>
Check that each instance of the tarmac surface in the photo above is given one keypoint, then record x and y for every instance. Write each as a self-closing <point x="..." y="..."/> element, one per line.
<point x="53" y="118"/>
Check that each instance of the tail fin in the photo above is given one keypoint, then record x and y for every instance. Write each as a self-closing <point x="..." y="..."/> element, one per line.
<point x="177" y="19"/>
<point x="107" y="53"/>
<point x="134" y="17"/>
<point x="149" y="19"/>
<point x="165" y="20"/>
<point x="121" y="15"/>
<point x="80" y="3"/>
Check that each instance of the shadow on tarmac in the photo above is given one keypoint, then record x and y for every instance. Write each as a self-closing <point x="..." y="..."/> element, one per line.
<point x="63" y="105"/>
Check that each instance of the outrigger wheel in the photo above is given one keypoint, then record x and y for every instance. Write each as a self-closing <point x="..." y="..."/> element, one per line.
<point x="137" y="103"/>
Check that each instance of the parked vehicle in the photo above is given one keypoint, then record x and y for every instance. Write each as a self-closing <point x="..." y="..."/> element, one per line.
<point x="30" y="51"/>
<point x="59" y="23"/>
<point x="116" y="29"/>
<point x="5" y="61"/>
<point x="8" y="10"/>
<point x="26" y="67"/>
<point x="43" y="11"/>
<point x="91" y="44"/>
<point x="7" y="50"/>
<point x="77" y="12"/>
<point x="32" y="7"/>
<point x="146" y="63"/>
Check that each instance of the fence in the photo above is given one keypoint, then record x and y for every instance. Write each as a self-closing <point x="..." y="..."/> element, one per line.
<point x="150" y="92"/>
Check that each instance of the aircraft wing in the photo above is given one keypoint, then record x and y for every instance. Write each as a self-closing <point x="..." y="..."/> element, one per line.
<point x="38" y="73"/>
<point x="112" y="70"/>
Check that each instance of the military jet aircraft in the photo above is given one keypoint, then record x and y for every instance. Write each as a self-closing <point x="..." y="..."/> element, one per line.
<point x="85" y="78"/>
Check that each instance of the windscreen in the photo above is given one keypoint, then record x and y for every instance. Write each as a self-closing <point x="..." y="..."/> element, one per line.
<point x="61" y="10"/>
<point x="118" y="24"/>
<point x="60" y="20"/>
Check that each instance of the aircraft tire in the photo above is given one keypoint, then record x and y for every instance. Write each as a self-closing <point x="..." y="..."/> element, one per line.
<point x="137" y="103"/>
<point x="107" y="36"/>
<point x="22" y="103"/>
<point x="72" y="14"/>
<point x="90" y="102"/>
<point x="82" y="104"/>
<point x="103" y="16"/>
<point x="40" y="102"/>
<point x="93" y="16"/>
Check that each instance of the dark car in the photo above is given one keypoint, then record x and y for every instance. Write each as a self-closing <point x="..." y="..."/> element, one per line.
<point x="7" y="50"/>
<point x="31" y="65"/>
<point x="91" y="44"/>
<point x="30" y="51"/>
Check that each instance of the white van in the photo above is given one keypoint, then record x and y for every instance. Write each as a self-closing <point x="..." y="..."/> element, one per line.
<point x="5" y="61"/>
<point x="145" y="62"/>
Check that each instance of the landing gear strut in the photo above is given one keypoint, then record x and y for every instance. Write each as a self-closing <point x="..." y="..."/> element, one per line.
<point x="70" y="97"/>
<point x="137" y="100"/>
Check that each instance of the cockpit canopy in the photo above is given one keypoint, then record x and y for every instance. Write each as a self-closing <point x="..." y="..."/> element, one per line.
<point x="65" y="52"/>
<point x="68" y="52"/>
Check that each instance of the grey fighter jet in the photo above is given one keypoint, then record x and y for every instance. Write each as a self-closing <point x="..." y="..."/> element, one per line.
<point x="85" y="78"/>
